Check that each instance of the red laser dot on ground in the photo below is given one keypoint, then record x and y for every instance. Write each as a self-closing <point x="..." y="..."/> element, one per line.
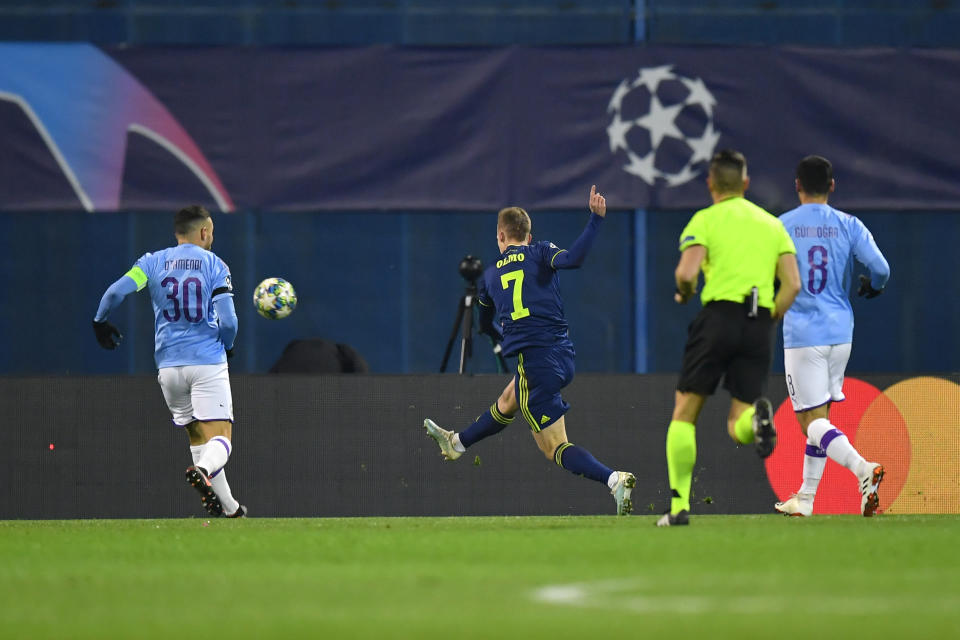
<point x="51" y="446"/>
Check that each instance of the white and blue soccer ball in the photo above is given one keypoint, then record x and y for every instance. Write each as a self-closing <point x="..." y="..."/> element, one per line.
<point x="274" y="298"/>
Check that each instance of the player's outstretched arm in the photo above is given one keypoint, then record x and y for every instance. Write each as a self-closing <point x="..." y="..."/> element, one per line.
<point x="789" y="276"/>
<point x="573" y="257"/>
<point x="108" y="336"/>
<point x="227" y="319"/>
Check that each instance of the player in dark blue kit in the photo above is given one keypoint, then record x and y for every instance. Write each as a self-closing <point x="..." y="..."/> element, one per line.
<point x="523" y="291"/>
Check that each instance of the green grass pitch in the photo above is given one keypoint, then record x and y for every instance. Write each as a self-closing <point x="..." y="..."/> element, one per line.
<point x="512" y="577"/>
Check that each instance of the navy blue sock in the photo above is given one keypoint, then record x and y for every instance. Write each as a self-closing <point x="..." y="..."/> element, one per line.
<point x="490" y="423"/>
<point x="581" y="462"/>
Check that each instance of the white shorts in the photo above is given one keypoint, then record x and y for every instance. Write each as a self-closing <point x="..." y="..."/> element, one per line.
<point x="815" y="375"/>
<point x="197" y="392"/>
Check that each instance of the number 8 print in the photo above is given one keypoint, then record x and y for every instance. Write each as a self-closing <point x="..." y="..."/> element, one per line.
<point x="815" y="267"/>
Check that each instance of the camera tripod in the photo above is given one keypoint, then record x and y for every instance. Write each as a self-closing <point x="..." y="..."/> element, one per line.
<point x="471" y="269"/>
<point x="464" y="325"/>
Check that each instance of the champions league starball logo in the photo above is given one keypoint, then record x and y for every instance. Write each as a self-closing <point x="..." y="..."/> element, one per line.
<point x="664" y="123"/>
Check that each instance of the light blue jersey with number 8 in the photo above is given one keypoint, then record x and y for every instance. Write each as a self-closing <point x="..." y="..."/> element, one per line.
<point x="827" y="242"/>
<point x="183" y="282"/>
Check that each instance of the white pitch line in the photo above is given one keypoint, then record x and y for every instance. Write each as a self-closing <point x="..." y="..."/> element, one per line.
<point x="629" y="595"/>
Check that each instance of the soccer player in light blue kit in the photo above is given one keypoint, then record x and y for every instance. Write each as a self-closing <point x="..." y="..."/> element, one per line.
<point x="196" y="324"/>
<point x="818" y="330"/>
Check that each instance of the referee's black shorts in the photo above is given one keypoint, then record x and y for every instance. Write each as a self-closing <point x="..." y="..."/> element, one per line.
<point x="723" y="342"/>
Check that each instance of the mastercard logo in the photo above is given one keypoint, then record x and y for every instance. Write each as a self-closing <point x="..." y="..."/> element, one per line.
<point x="912" y="428"/>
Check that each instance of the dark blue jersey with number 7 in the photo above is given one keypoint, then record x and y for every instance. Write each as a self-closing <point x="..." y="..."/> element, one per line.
<point x="523" y="286"/>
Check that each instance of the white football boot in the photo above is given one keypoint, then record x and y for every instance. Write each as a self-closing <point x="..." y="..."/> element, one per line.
<point x="443" y="437"/>
<point x="869" y="482"/>
<point x="798" y="504"/>
<point x="622" y="490"/>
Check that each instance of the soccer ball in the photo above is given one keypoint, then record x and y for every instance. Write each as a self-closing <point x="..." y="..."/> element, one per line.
<point x="274" y="298"/>
<point x="664" y="125"/>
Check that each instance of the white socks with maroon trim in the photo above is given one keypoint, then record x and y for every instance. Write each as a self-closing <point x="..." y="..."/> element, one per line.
<point x="836" y="445"/>
<point x="215" y="454"/>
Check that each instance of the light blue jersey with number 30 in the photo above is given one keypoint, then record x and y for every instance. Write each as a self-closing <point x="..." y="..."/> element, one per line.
<point x="183" y="282"/>
<point x="827" y="241"/>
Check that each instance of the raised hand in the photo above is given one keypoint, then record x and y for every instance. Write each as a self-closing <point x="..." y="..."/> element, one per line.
<point x="598" y="204"/>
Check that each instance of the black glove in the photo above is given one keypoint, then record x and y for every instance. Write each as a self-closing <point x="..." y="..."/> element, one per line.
<point x="866" y="288"/>
<point x="229" y="353"/>
<point x="108" y="335"/>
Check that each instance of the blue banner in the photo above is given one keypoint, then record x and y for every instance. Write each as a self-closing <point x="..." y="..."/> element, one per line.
<point x="468" y="129"/>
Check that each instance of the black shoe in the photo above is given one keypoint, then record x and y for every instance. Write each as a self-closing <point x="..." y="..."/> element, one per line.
<point x="200" y="480"/>
<point x="764" y="433"/>
<point x="674" y="519"/>
<point x="241" y="512"/>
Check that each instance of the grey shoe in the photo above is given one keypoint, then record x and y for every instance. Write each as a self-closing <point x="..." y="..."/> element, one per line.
<point x="443" y="437"/>
<point x="622" y="490"/>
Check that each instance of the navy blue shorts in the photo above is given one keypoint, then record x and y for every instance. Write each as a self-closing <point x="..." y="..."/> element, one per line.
<point x="541" y="373"/>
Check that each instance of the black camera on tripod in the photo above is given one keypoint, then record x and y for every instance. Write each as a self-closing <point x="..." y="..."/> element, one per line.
<point x="470" y="268"/>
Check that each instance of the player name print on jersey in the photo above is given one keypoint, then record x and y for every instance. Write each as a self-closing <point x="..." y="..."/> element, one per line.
<point x="816" y="232"/>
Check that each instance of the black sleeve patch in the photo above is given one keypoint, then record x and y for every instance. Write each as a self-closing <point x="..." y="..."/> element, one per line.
<point x="220" y="290"/>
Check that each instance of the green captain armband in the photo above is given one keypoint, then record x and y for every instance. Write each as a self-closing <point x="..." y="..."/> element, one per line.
<point x="138" y="276"/>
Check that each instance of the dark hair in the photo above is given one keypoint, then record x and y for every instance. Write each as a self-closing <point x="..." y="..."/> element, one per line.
<point x="815" y="174"/>
<point x="728" y="168"/>
<point x="515" y="223"/>
<point x="188" y="218"/>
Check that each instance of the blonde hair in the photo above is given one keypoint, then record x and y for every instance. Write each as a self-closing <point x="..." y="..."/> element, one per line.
<point x="514" y="222"/>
